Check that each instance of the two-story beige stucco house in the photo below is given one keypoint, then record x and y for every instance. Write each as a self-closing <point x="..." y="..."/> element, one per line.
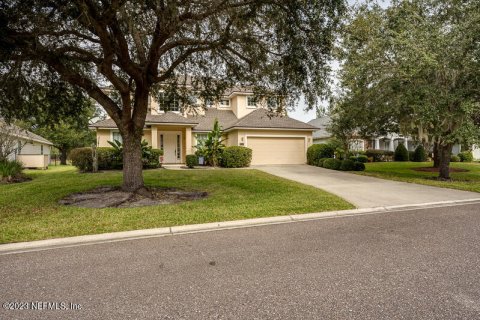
<point x="273" y="139"/>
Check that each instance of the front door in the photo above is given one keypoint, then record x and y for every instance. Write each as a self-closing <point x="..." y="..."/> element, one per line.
<point x="171" y="143"/>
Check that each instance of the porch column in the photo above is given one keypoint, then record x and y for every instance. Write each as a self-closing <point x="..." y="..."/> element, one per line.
<point x="377" y="144"/>
<point x="188" y="140"/>
<point x="391" y="146"/>
<point x="154" y="137"/>
<point x="405" y="142"/>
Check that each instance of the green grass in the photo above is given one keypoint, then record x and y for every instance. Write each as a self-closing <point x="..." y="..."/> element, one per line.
<point x="29" y="210"/>
<point x="402" y="171"/>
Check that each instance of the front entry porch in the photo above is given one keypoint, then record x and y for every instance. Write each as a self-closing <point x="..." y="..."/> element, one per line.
<point x="175" y="141"/>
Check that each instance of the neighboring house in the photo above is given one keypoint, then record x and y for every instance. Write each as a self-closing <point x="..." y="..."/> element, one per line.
<point x="274" y="139"/>
<point x="476" y="152"/>
<point x="387" y="142"/>
<point x="32" y="150"/>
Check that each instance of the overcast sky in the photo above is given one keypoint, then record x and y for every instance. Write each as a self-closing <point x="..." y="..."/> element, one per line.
<point x="300" y="113"/>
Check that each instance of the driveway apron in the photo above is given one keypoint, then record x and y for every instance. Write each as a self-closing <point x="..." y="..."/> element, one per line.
<point x="366" y="192"/>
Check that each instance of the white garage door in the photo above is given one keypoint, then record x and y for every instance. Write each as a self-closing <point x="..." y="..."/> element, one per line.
<point x="266" y="150"/>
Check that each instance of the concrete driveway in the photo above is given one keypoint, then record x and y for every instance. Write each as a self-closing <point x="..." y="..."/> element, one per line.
<point x="366" y="192"/>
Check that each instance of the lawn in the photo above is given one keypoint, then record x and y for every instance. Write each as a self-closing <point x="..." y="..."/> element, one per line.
<point x="29" y="210"/>
<point x="402" y="171"/>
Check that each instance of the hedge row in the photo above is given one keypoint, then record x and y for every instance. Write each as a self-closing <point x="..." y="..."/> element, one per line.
<point x="111" y="159"/>
<point x="230" y="157"/>
<point x="321" y="155"/>
<point x="236" y="157"/>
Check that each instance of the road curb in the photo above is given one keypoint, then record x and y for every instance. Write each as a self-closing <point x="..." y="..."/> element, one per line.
<point x="39" y="245"/>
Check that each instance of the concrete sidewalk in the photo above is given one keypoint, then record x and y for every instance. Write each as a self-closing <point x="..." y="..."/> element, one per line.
<point x="366" y="192"/>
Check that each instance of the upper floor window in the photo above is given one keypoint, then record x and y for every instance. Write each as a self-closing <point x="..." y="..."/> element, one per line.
<point x="168" y="102"/>
<point x="224" y="103"/>
<point x="251" y="102"/>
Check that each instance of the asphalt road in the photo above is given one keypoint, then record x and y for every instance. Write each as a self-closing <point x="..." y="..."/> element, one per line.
<point x="422" y="264"/>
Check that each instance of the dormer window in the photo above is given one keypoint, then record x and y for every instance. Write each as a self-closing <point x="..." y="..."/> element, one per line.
<point x="251" y="102"/>
<point x="224" y="103"/>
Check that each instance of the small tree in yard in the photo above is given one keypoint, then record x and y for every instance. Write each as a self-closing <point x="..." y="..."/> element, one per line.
<point x="401" y="153"/>
<point x="140" y="48"/>
<point x="9" y="142"/>
<point x="213" y="146"/>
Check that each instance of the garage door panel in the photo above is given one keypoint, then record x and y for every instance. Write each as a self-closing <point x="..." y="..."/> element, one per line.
<point x="271" y="150"/>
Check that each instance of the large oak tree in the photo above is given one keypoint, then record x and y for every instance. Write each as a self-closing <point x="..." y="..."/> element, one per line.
<point x="414" y="68"/>
<point x="136" y="48"/>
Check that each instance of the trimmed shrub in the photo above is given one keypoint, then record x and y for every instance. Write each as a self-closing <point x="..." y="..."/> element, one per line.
<point x="10" y="169"/>
<point x="454" y="158"/>
<point x="236" y="157"/>
<point x="331" y="163"/>
<point x="419" y="155"/>
<point x="82" y="159"/>
<point x="111" y="159"/>
<point x="151" y="158"/>
<point x="347" y="165"/>
<point x="321" y="161"/>
<point x="401" y="153"/>
<point x="466" y="156"/>
<point x="376" y="155"/>
<point x="360" y="158"/>
<point x="191" y="160"/>
<point x="358" y="166"/>
<point x="108" y="159"/>
<point x="318" y="151"/>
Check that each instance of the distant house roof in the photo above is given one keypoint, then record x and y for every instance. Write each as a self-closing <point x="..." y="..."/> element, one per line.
<point x="168" y="117"/>
<point x="259" y="118"/>
<point x="24" y="134"/>
<point x="322" y="125"/>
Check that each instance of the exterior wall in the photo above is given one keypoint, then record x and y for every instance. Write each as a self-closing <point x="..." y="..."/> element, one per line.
<point x="239" y="106"/>
<point x="476" y="152"/>
<point x="103" y="135"/>
<point x="232" y="138"/>
<point x="34" y="161"/>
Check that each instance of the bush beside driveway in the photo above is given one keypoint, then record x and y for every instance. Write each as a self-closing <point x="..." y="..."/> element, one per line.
<point x="30" y="210"/>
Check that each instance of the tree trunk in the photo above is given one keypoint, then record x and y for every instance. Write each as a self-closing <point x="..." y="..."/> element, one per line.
<point x="445" y="152"/>
<point x="63" y="156"/>
<point x="436" y="154"/>
<point x="132" y="162"/>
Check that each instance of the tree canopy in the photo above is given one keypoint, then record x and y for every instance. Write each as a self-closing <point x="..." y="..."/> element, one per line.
<point x="138" y="47"/>
<point x="413" y="68"/>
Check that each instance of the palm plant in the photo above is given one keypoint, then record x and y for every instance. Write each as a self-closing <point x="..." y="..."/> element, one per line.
<point x="212" y="147"/>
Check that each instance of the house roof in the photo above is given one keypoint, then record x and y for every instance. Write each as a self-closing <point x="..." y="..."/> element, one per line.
<point x="25" y="134"/>
<point x="261" y="118"/>
<point x="205" y="122"/>
<point x="168" y="117"/>
<point x="322" y="124"/>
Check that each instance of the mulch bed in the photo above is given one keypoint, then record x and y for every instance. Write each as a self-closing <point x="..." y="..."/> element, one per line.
<point x="114" y="197"/>
<point x="431" y="169"/>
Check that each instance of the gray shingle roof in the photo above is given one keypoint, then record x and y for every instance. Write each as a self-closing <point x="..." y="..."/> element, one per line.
<point x="168" y="117"/>
<point x="322" y="124"/>
<point x="205" y="122"/>
<point x="261" y="118"/>
<point x="25" y="134"/>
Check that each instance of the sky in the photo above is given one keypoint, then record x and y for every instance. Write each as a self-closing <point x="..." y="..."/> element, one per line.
<point x="299" y="113"/>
